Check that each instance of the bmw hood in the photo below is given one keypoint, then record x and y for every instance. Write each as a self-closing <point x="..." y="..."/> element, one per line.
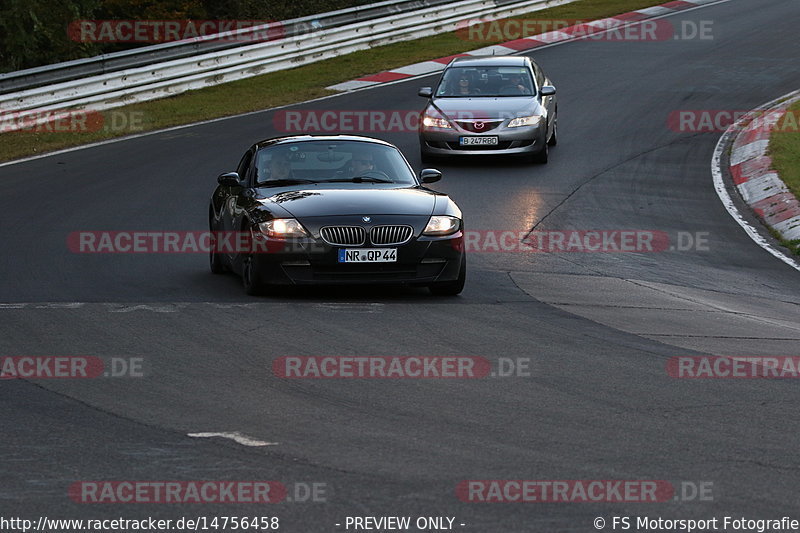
<point x="488" y="108"/>
<point x="332" y="202"/>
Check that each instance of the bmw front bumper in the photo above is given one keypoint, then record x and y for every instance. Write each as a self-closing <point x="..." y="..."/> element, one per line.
<point x="422" y="261"/>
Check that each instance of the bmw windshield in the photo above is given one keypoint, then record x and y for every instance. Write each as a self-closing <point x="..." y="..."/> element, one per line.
<point x="331" y="162"/>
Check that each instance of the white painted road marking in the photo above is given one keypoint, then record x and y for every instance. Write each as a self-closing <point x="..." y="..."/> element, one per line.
<point x="159" y="308"/>
<point x="351" y="307"/>
<point x="237" y="437"/>
<point x="174" y="307"/>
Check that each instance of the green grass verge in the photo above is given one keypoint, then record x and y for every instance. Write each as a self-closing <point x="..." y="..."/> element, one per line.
<point x="793" y="246"/>
<point x="284" y="87"/>
<point x="784" y="148"/>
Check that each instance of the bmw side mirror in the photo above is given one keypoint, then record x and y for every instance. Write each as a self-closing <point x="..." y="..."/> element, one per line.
<point x="425" y="92"/>
<point x="547" y="90"/>
<point x="430" y="175"/>
<point x="229" y="179"/>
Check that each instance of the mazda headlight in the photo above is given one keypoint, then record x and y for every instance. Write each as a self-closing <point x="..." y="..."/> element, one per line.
<point x="440" y="225"/>
<point x="430" y="121"/>
<point x="532" y="120"/>
<point x="281" y="228"/>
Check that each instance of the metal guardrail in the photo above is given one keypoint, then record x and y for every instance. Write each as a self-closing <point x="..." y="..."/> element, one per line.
<point x="183" y="74"/>
<point x="148" y="55"/>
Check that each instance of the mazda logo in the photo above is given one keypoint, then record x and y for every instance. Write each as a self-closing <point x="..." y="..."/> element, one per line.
<point x="479" y="125"/>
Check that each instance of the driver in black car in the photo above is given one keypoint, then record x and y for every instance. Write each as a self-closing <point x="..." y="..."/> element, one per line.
<point x="361" y="163"/>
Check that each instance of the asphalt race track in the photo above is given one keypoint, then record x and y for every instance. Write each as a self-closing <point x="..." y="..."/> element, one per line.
<point x="598" y="328"/>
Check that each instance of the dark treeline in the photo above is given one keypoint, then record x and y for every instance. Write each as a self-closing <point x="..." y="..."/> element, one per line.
<point x="35" y="32"/>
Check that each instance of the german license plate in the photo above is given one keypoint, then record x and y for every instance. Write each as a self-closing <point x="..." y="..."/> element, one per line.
<point x="480" y="141"/>
<point x="368" y="255"/>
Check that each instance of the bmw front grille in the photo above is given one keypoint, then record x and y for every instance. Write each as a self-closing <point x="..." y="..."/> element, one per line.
<point x="390" y="235"/>
<point x="343" y="235"/>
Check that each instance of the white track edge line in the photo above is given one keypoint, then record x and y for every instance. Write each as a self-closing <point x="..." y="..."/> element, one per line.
<point x="722" y="192"/>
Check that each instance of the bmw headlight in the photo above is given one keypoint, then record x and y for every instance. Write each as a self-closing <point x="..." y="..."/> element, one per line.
<point x="282" y="228"/>
<point x="430" y="121"/>
<point x="532" y="120"/>
<point x="441" y="225"/>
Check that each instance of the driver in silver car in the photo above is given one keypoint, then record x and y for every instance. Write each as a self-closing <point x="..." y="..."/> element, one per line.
<point x="515" y="85"/>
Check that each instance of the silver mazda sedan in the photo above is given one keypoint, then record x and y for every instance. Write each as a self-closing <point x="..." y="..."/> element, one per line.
<point x="489" y="105"/>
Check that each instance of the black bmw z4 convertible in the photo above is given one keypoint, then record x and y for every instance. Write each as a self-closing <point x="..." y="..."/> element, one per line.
<point x="336" y="209"/>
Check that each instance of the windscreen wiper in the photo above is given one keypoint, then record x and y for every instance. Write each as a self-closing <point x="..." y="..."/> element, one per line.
<point x="287" y="181"/>
<point x="361" y="179"/>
